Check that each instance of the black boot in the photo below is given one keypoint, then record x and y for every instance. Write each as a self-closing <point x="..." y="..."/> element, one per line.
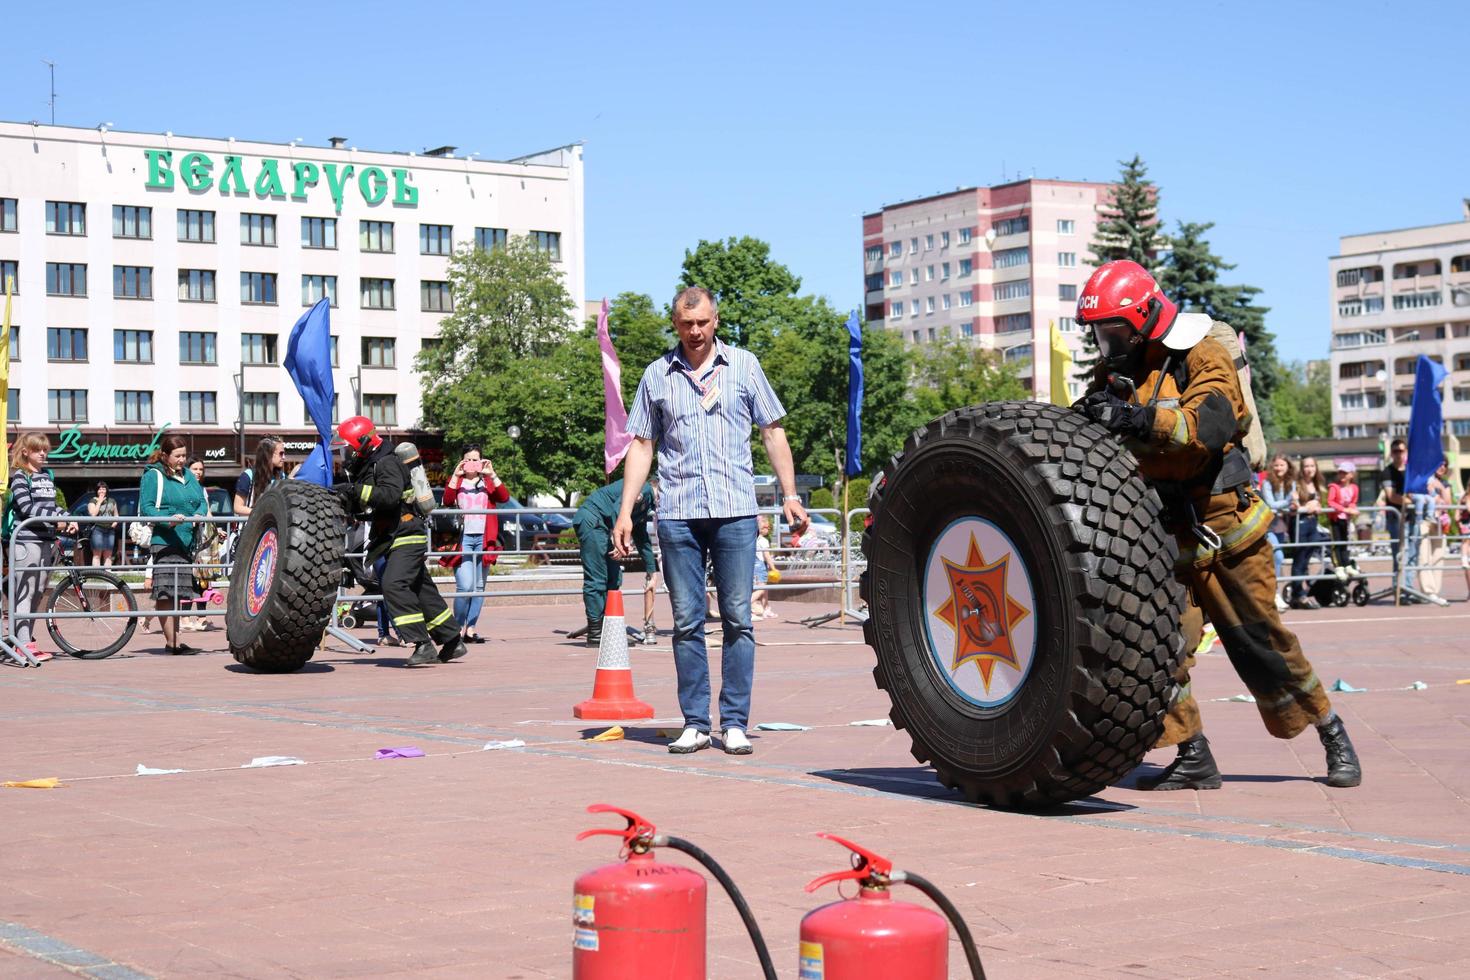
<point x="1194" y="769"/>
<point x="424" y="653"/>
<point x="1343" y="768"/>
<point x="594" y="632"/>
<point x="452" y="650"/>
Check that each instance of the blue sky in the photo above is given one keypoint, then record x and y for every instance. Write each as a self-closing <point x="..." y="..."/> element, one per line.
<point x="1287" y="124"/>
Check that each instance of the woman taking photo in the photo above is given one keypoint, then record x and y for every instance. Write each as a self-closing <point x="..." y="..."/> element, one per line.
<point x="474" y="486"/>
<point x="104" y="534"/>
<point x="169" y="490"/>
<point x="32" y="494"/>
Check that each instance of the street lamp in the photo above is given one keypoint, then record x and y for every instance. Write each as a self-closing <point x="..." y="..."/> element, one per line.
<point x="1389" y="396"/>
<point x="514" y="432"/>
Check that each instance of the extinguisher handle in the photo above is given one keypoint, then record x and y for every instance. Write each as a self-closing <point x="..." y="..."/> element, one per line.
<point x="637" y="829"/>
<point x="869" y="866"/>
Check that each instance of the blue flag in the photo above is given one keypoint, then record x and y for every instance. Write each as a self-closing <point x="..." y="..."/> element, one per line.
<point x="854" y="396"/>
<point x="1426" y="426"/>
<point x="309" y="363"/>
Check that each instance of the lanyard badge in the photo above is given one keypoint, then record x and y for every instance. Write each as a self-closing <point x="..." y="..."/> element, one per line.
<point x="709" y="391"/>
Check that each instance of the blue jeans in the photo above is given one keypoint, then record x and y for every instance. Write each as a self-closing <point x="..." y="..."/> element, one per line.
<point x="1277" y="557"/>
<point x="1308" y="536"/>
<point x="469" y="576"/>
<point x="729" y="544"/>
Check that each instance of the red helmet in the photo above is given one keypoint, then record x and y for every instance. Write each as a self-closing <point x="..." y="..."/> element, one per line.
<point x="359" y="435"/>
<point x="1125" y="307"/>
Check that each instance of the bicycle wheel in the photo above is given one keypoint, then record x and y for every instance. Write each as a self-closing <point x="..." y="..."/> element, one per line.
<point x="91" y="590"/>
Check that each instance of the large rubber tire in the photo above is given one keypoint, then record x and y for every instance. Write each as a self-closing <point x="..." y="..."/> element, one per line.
<point x="1071" y="599"/>
<point x="288" y="565"/>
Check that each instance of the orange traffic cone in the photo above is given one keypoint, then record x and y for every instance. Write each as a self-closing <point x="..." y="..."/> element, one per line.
<point x="612" y="691"/>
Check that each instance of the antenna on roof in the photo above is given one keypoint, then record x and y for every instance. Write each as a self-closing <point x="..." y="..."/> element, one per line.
<point x="52" y="103"/>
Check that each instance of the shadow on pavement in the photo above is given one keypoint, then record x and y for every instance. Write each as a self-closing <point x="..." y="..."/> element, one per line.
<point x="311" y="667"/>
<point x="921" y="783"/>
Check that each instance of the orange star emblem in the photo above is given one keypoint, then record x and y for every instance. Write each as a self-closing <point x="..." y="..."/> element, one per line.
<point x="981" y="612"/>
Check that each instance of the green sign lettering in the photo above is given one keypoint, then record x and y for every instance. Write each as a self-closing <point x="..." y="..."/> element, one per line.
<point x="159" y="172"/>
<point x="233" y="172"/>
<point x="268" y="183"/>
<point x="372" y="183"/>
<point x="195" y="168"/>
<point x="337" y="181"/>
<point x="306" y="176"/>
<point x="404" y="192"/>
<point x="72" y="447"/>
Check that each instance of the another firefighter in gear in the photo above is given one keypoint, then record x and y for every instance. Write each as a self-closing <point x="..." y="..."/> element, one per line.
<point x="381" y="488"/>
<point x="602" y="573"/>
<point x="1175" y="394"/>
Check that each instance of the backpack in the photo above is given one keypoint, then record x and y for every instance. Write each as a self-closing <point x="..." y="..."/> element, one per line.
<point x="419" y="495"/>
<point x="1253" y="441"/>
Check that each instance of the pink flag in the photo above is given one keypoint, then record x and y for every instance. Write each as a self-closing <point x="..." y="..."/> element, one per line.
<point x="616" y="440"/>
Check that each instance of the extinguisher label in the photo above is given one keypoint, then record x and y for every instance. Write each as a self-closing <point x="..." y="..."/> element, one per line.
<point x="811" y="962"/>
<point x="583" y="909"/>
<point x="585" y="939"/>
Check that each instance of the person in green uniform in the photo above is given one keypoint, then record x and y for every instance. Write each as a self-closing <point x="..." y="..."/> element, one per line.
<point x="600" y="572"/>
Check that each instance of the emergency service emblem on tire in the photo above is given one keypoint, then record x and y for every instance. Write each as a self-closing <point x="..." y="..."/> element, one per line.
<point x="262" y="571"/>
<point x="1021" y="602"/>
<point x="979" y="602"/>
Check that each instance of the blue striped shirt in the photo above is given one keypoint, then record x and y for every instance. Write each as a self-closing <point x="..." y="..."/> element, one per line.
<point x="704" y="465"/>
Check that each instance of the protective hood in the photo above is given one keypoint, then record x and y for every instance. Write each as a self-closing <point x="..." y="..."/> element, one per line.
<point x="1187" y="330"/>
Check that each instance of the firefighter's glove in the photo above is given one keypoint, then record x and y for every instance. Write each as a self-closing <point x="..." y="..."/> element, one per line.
<point x="347" y="494"/>
<point x="1117" y="415"/>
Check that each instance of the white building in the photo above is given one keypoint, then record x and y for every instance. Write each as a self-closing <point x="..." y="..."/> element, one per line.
<point x="157" y="277"/>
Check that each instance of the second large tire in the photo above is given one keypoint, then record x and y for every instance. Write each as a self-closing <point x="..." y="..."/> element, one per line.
<point x="287" y="568"/>
<point x="1022" y="603"/>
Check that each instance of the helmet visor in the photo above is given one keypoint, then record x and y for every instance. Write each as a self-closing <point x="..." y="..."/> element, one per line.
<point x="1115" y="338"/>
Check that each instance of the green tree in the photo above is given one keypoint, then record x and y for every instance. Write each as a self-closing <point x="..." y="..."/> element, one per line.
<point x="1301" y="405"/>
<point x="746" y="283"/>
<point x="953" y="373"/>
<point x="1191" y="277"/>
<point x="1127" y="228"/>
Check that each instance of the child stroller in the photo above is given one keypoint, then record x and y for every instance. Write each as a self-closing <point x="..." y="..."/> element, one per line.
<point x="353" y="613"/>
<point x="1340" y="584"/>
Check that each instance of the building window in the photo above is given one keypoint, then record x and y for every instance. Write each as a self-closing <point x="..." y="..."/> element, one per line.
<point x="1013" y="322"/>
<point x="258" y="229"/>
<point x="1362" y="274"/>
<point x="258" y="348"/>
<point x="1021" y="352"/>
<point x="262" y="407"/>
<point x="66" y="218"/>
<point x="1012" y="226"/>
<point x="1360" y="338"/>
<point x="197" y="347"/>
<point x="895" y="249"/>
<point x="873" y="253"/>
<point x="375" y="236"/>
<point x="929" y="274"/>
<point x="196" y="226"/>
<point x="895" y="279"/>
<point x="1372" y="304"/>
<point x="895" y="308"/>
<point x="966" y="234"/>
<point x="1416" y="301"/>
<point x="132" y="282"/>
<point x="66" y="405"/>
<point x="66" y="279"/>
<point x="1356" y="369"/>
<point x="436" y="239"/>
<point x="929" y="304"/>
<point x="488" y="238"/>
<point x="1067" y="293"/>
<point x="318" y="232"/>
<point x="967" y="330"/>
<point x="967" y="298"/>
<point x="196" y="285"/>
<point x="914" y="276"/>
<point x="379" y="352"/>
<point x="1020" y="289"/>
<point x="8" y="208"/>
<point x="66" y="343"/>
<point x="1067" y="260"/>
<point x="130" y="221"/>
<point x="1461" y="427"/>
<point x="944" y="271"/>
<point x="967" y="266"/>
<point x="944" y="239"/>
<point x="132" y="407"/>
<point x="132" y="346"/>
<point x="10" y="273"/>
<point x="928" y="243"/>
<point x="377" y="294"/>
<point x="12" y="403"/>
<point x="435" y="297"/>
<point x="548" y="242"/>
<point x="314" y="289"/>
<point x="1009" y="258"/>
<point x="1067" y="324"/>
<point x="333" y="339"/>
<point x="1350" y="400"/>
<point x="258" y="288"/>
<point x="382" y="409"/>
<point x="198" y="407"/>
<point x="14" y="343"/>
<point x="1066" y="226"/>
<point x="873" y="281"/>
<point x="945" y="301"/>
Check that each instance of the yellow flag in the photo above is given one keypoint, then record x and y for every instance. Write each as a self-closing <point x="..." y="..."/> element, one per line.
<point x="1061" y="367"/>
<point x="5" y="393"/>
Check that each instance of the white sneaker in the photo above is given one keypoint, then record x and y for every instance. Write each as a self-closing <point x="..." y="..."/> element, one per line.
<point x="1281" y="605"/>
<point x="1341" y="572"/>
<point x="692" y="740"/>
<point x="736" y="743"/>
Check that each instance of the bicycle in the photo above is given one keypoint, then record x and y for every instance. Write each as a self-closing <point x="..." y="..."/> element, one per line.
<point x="90" y="589"/>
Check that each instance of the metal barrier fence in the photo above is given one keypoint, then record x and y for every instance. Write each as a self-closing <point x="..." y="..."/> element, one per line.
<point x="542" y="562"/>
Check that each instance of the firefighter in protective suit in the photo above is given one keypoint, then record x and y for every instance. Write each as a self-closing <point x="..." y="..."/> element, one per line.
<point x="1174" y="393"/>
<point x="381" y="489"/>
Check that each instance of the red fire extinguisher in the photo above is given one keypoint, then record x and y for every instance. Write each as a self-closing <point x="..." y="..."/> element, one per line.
<point x="874" y="934"/>
<point x="641" y="918"/>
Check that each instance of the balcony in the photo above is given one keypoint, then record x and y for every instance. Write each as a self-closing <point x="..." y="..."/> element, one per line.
<point x="873" y="297"/>
<point x="1418" y="284"/>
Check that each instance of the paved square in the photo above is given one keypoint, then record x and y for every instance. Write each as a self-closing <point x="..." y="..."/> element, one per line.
<point x="461" y="863"/>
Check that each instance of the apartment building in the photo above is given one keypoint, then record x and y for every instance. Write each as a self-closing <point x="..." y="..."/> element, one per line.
<point x="997" y="265"/>
<point x="1397" y="295"/>
<point x="157" y="278"/>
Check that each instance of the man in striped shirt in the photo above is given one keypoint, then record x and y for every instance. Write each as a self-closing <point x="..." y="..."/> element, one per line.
<point x="696" y="406"/>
